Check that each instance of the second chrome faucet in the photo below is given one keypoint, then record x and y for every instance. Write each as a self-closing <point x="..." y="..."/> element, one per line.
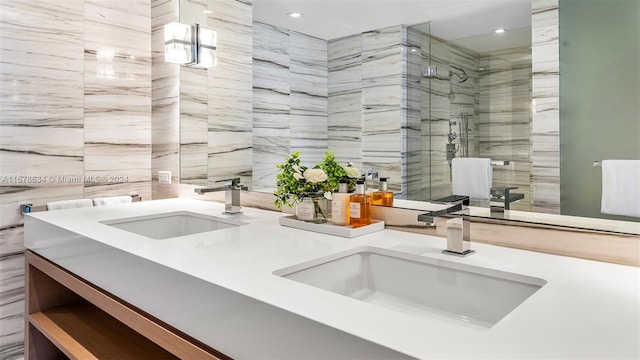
<point x="458" y="228"/>
<point x="231" y="190"/>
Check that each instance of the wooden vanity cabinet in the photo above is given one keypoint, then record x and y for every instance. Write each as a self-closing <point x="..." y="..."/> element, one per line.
<point x="70" y="318"/>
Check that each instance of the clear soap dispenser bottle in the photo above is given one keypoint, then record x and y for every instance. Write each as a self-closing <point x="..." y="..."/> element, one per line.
<point x="383" y="196"/>
<point x="360" y="206"/>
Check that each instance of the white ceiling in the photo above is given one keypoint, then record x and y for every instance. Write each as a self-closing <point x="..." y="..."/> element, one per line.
<point x="450" y="19"/>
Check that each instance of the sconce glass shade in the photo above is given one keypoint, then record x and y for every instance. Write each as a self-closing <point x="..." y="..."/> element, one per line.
<point x="207" y="45"/>
<point x="179" y="43"/>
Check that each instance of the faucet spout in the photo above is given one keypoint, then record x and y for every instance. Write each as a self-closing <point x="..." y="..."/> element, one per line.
<point x="231" y="190"/>
<point x="458" y="228"/>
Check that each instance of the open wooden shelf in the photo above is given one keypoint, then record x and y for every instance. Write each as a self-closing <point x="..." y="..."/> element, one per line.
<point x="68" y="317"/>
<point x="82" y="331"/>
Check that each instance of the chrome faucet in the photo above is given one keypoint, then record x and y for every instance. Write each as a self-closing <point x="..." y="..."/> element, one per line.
<point x="231" y="190"/>
<point x="458" y="228"/>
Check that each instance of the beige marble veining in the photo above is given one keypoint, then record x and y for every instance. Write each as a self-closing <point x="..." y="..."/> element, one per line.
<point x="76" y="114"/>
<point x="165" y="94"/>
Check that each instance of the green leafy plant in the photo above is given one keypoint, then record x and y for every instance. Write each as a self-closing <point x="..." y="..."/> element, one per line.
<point x="336" y="173"/>
<point x="295" y="180"/>
<point x="288" y="181"/>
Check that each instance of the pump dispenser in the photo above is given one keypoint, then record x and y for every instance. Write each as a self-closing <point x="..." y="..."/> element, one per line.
<point x="383" y="196"/>
<point x="360" y="206"/>
<point x="340" y="205"/>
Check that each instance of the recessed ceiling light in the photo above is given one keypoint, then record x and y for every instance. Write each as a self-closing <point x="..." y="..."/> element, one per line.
<point x="500" y="30"/>
<point x="207" y="11"/>
<point x="294" y="14"/>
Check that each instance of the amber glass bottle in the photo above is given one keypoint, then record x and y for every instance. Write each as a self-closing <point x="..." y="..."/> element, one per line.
<point x="383" y="196"/>
<point x="360" y="207"/>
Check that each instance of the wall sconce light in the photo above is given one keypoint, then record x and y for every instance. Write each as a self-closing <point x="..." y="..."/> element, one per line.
<point x="190" y="45"/>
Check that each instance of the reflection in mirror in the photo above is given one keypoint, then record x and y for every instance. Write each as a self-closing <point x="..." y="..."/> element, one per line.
<point x="402" y="99"/>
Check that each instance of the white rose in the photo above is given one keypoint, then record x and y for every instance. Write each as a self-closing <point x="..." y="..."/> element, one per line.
<point x="297" y="176"/>
<point x="352" y="172"/>
<point x="315" y="175"/>
<point x="297" y="169"/>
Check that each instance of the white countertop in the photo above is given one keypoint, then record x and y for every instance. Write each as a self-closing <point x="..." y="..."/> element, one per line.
<point x="587" y="309"/>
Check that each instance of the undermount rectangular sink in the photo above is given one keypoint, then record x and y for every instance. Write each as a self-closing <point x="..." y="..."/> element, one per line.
<point x="173" y="224"/>
<point x="418" y="285"/>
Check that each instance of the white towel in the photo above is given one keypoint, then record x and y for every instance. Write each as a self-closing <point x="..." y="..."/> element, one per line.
<point x="621" y="187"/>
<point x="472" y="177"/>
<point x="111" y="200"/>
<point x="69" y="204"/>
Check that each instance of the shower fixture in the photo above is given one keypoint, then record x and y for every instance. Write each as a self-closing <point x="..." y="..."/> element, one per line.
<point x="462" y="76"/>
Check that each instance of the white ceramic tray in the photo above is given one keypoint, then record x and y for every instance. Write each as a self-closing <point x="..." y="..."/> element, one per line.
<point x="332" y="229"/>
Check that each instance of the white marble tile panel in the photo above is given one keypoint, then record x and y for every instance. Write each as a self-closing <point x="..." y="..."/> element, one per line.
<point x="309" y="62"/>
<point x="311" y="105"/>
<point x="129" y="161"/>
<point x="118" y="30"/>
<point x="268" y="103"/>
<point x="12" y="305"/>
<point x="11" y="240"/>
<point x="42" y="46"/>
<point x="344" y="62"/>
<point x="194" y="163"/>
<point x="230" y="89"/>
<point x="230" y="155"/>
<point x="545" y="87"/>
<point x="165" y="94"/>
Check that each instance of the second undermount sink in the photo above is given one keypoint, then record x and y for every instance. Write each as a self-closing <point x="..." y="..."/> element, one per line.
<point x="418" y="285"/>
<point x="172" y="224"/>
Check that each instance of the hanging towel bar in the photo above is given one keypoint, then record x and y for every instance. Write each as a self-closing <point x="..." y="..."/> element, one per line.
<point x="30" y="208"/>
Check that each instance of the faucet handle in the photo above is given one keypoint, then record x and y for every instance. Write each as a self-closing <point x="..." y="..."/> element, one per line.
<point x="453" y="199"/>
<point x="233" y="182"/>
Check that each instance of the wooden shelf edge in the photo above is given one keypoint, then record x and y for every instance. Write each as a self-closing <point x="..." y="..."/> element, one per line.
<point x="82" y="331"/>
<point x="174" y="342"/>
<point x="60" y="338"/>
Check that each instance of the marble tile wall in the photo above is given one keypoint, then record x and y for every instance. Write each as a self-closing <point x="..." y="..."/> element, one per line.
<point x="545" y="157"/>
<point x="382" y="99"/>
<point x="289" y="100"/>
<point x="309" y="96"/>
<point x="117" y="97"/>
<point x="192" y="105"/>
<point x="345" y="99"/>
<point x="505" y="118"/>
<point x="413" y="156"/>
<point x="165" y="95"/>
<point x="202" y="117"/>
<point x="76" y="117"/>
<point x="436" y="119"/>
<point x="230" y="91"/>
<point x="271" y="103"/>
<point x="367" y="107"/>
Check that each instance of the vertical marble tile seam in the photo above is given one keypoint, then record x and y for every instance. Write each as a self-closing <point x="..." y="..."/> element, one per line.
<point x="165" y="110"/>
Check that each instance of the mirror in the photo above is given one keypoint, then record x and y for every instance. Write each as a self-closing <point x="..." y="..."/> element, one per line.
<point x="304" y="113"/>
